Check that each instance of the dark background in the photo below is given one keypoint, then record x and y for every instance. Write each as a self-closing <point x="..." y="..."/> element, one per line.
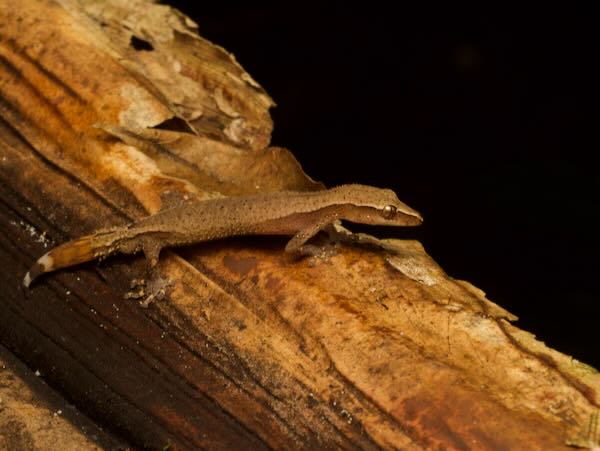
<point x="478" y="119"/>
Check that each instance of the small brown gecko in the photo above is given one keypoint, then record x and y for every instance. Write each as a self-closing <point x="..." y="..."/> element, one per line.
<point x="300" y="214"/>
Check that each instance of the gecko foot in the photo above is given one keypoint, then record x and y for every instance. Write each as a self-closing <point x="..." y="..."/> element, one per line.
<point x="148" y="291"/>
<point x="137" y="289"/>
<point x="311" y="250"/>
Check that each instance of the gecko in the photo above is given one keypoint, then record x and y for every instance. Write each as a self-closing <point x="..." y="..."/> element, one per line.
<point x="300" y="215"/>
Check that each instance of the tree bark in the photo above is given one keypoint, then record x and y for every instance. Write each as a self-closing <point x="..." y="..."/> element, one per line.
<point x="112" y="110"/>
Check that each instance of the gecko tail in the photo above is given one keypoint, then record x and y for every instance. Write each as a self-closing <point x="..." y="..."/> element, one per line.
<point x="71" y="253"/>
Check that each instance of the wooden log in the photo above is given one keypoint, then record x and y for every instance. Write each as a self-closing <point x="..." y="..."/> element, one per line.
<point x="32" y="416"/>
<point x="112" y="110"/>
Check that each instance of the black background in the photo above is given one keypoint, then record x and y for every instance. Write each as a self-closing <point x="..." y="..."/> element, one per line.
<point x="478" y="119"/>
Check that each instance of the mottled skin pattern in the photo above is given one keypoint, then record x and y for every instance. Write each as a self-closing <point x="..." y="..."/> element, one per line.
<point x="285" y="213"/>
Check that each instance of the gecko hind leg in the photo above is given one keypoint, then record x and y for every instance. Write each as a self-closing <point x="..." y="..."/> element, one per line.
<point x="141" y="289"/>
<point x="151" y="249"/>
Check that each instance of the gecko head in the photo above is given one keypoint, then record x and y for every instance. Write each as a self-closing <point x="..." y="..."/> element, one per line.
<point x="376" y="206"/>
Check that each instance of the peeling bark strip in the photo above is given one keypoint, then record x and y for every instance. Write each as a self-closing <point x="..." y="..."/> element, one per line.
<point x="112" y="110"/>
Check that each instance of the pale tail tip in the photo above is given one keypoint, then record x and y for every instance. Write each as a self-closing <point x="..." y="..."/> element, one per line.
<point x="27" y="280"/>
<point x="44" y="264"/>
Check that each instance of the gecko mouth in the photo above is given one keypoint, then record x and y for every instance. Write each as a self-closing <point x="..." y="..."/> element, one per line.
<point x="413" y="220"/>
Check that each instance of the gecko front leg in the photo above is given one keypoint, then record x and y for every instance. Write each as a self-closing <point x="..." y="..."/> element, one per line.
<point x="297" y="245"/>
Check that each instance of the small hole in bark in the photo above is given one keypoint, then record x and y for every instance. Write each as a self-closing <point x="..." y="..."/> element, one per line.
<point x="140" y="44"/>
<point x="174" y="124"/>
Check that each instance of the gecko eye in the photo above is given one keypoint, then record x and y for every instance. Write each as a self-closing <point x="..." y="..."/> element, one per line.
<point x="388" y="211"/>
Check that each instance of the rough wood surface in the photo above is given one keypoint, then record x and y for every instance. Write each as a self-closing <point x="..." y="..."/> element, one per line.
<point x="33" y="416"/>
<point x="112" y="110"/>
